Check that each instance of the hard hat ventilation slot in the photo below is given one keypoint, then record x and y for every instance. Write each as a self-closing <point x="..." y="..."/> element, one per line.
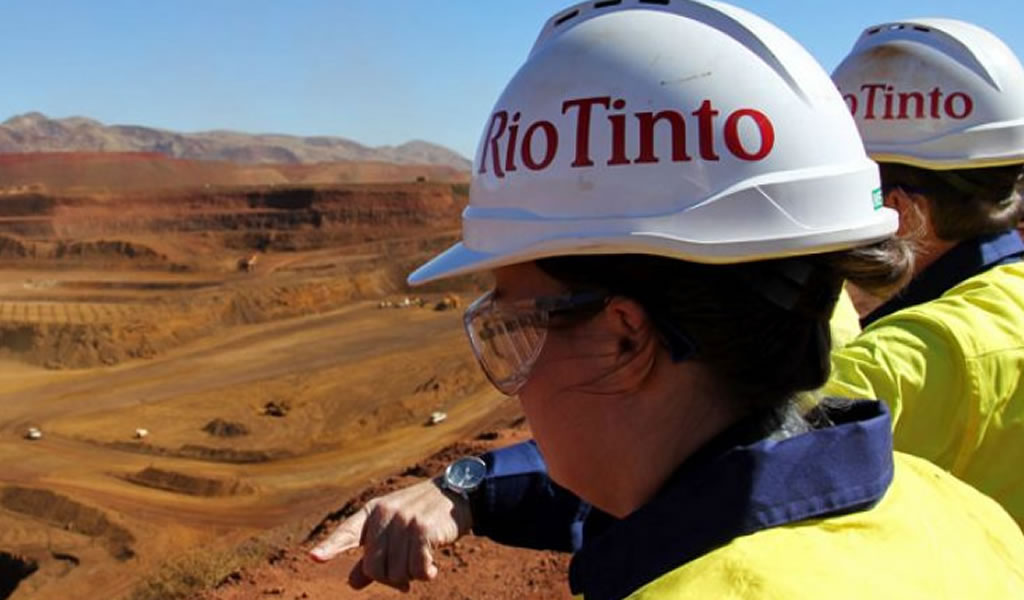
<point x="661" y="2"/>
<point x="607" y="3"/>
<point x="566" y="17"/>
<point x="922" y="28"/>
<point x="874" y="30"/>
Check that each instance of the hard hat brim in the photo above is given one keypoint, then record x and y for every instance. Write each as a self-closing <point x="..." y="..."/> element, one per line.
<point x="462" y="260"/>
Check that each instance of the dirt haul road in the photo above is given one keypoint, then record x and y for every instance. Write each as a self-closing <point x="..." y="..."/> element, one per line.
<point x="97" y="510"/>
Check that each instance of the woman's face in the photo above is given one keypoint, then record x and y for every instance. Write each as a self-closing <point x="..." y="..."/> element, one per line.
<point x="577" y="397"/>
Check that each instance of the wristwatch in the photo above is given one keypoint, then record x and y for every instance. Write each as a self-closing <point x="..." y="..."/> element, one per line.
<point x="464" y="475"/>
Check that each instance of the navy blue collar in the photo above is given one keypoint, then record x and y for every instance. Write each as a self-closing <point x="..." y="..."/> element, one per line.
<point x="963" y="261"/>
<point x="726" y="491"/>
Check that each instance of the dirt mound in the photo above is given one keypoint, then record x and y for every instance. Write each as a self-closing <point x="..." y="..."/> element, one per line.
<point x="70" y="560"/>
<point x="59" y="346"/>
<point x="12" y="247"/>
<point x="192" y="485"/>
<point x="108" y="249"/>
<point x="276" y="408"/>
<point x="228" y="429"/>
<point x="232" y="455"/>
<point x="195" y="451"/>
<point x="13" y="570"/>
<point x="17" y="338"/>
<point x="63" y="512"/>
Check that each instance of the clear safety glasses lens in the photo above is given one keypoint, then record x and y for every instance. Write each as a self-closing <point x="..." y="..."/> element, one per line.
<point x="505" y="342"/>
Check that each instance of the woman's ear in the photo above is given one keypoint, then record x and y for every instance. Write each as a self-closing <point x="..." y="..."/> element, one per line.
<point x="915" y="213"/>
<point x="628" y="320"/>
<point x="895" y="198"/>
<point x="627" y="314"/>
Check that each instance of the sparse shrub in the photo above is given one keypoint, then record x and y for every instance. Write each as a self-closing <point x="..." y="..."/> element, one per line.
<point x="186" y="575"/>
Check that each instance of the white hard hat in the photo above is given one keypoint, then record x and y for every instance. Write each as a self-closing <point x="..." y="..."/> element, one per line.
<point x="935" y="94"/>
<point x="693" y="130"/>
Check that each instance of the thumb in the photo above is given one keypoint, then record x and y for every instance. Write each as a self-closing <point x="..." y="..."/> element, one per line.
<point x="357" y="578"/>
<point x="345" y="537"/>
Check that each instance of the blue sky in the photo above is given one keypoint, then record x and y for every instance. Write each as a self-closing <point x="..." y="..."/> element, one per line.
<point x="376" y="71"/>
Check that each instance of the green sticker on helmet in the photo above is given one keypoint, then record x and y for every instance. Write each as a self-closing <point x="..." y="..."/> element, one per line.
<point x="876" y="196"/>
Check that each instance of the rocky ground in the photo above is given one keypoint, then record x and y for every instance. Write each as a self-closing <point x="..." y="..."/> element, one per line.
<point x="472" y="568"/>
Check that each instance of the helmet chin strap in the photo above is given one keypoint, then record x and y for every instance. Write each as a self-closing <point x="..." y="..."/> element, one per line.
<point x="959" y="182"/>
<point x="970" y="185"/>
<point x="795" y="285"/>
<point x="680" y="346"/>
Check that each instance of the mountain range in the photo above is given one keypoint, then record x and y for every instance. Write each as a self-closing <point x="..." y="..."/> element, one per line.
<point x="35" y="132"/>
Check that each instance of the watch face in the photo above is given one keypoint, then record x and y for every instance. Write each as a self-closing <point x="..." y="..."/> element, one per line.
<point x="465" y="474"/>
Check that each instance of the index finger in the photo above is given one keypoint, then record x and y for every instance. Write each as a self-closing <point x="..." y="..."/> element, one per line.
<point x="348" y="535"/>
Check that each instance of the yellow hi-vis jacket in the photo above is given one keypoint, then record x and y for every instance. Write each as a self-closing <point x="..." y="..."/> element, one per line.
<point x="829" y="513"/>
<point x="952" y="372"/>
<point x="931" y="537"/>
<point x="845" y="323"/>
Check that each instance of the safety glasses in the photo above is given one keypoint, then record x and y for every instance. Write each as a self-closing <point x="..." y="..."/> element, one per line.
<point x="508" y="336"/>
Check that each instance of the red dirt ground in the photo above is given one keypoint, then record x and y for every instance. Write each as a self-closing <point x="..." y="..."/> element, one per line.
<point x="472" y="568"/>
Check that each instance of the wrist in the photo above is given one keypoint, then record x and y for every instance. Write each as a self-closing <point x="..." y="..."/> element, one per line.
<point x="462" y="506"/>
<point x="460" y="482"/>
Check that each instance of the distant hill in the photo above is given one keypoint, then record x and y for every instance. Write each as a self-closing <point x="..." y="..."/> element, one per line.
<point x="35" y="132"/>
<point x="141" y="172"/>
